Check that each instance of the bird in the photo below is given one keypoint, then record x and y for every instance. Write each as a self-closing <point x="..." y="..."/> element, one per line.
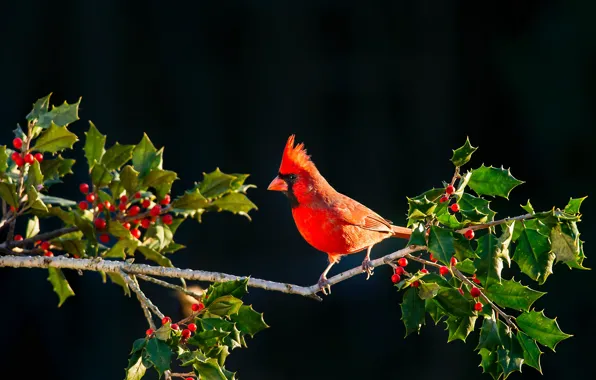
<point x="329" y="221"/>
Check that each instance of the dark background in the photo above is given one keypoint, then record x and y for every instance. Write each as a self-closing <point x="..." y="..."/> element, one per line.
<point x="380" y="92"/>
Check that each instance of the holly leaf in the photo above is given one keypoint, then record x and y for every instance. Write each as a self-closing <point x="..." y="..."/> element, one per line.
<point x="121" y="249"/>
<point x="129" y="179"/>
<point x="32" y="227"/>
<point x="34" y="201"/>
<point x="209" y="370"/>
<point x="489" y="363"/>
<point x="419" y="208"/>
<point x="489" y="264"/>
<point x="61" y="115"/>
<point x="190" y="200"/>
<point x="236" y="288"/>
<point x="34" y="176"/>
<point x="117" y="156"/>
<point x="463" y="154"/>
<point x="489" y="334"/>
<point x="533" y="254"/>
<point x="160" y="180"/>
<point x="39" y="107"/>
<point x="493" y="181"/>
<point x="94" y="145"/>
<point x="463" y="248"/>
<point x="565" y="247"/>
<point x="8" y="192"/>
<point x="248" y="320"/>
<point x="460" y="327"/>
<point x="56" y="168"/>
<point x="145" y="157"/>
<point x="216" y="183"/>
<point x="55" y="139"/>
<point x="225" y="305"/>
<point x="528" y="207"/>
<point x="418" y="235"/>
<point x="452" y="302"/>
<point x="433" y="309"/>
<point x="545" y="330"/>
<point x="531" y="351"/>
<point x="466" y="266"/>
<point x="60" y="284"/>
<point x="512" y="294"/>
<point x="236" y="203"/>
<point x="3" y="160"/>
<point x="50" y="200"/>
<point x="440" y="243"/>
<point x="428" y="290"/>
<point x="159" y="354"/>
<point x="412" y="311"/>
<point x="153" y="255"/>
<point x="510" y="357"/>
<point x="100" y="175"/>
<point x="574" y="205"/>
<point x="137" y="370"/>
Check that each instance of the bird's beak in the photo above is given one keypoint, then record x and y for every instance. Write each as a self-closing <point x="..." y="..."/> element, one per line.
<point x="278" y="184"/>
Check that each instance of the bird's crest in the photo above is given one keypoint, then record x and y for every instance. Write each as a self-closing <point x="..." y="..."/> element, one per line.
<point x="295" y="158"/>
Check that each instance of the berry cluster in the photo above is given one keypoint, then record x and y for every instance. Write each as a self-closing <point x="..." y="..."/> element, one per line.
<point x="22" y="157"/>
<point x="449" y="190"/>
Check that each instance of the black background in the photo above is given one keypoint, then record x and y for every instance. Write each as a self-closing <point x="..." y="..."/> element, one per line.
<point x="380" y="92"/>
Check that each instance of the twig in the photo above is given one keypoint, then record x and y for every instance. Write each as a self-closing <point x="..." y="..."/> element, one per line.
<point x="44" y="236"/>
<point x="496" y="222"/>
<point x="183" y="375"/>
<point x="189" y="274"/>
<point x="143" y="299"/>
<point x="168" y="285"/>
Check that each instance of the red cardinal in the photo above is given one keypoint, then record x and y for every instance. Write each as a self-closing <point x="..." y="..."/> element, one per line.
<point x="329" y="221"/>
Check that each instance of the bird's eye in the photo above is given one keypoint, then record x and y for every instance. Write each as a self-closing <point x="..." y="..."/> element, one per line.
<point x="292" y="177"/>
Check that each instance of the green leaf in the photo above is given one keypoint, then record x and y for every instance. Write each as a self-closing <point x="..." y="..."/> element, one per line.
<point x="190" y="200"/>
<point x="489" y="334"/>
<point x="460" y="327"/>
<point x="236" y="288"/>
<point x="159" y="354"/>
<point x="137" y="370"/>
<point x="564" y="246"/>
<point x="55" y="139"/>
<point x="3" y="160"/>
<point x="510" y="358"/>
<point x="249" y="321"/>
<point x="8" y="192"/>
<point x="117" y="155"/>
<point x="34" y="176"/>
<point x="452" y="302"/>
<point x="216" y="183"/>
<point x="418" y="235"/>
<point x="60" y="284"/>
<point x="47" y="199"/>
<point x="34" y="201"/>
<point x="533" y="254"/>
<point x="469" y="203"/>
<point x="130" y="179"/>
<point x="412" y="311"/>
<point x="530" y="350"/>
<point x="61" y="115"/>
<point x="574" y="205"/>
<point x="528" y="207"/>
<point x="463" y="154"/>
<point x="512" y="294"/>
<point x="226" y="305"/>
<point x="55" y="168"/>
<point x="489" y="363"/>
<point x="153" y="255"/>
<point x="433" y="309"/>
<point x="420" y="208"/>
<point x="121" y="249"/>
<point x="94" y="145"/>
<point x="117" y="229"/>
<point x="32" y="227"/>
<point x="463" y="248"/>
<point x="428" y="290"/>
<point x="493" y="181"/>
<point x="39" y="107"/>
<point x="190" y="357"/>
<point x="545" y="330"/>
<point x="145" y="157"/>
<point x="236" y="203"/>
<point x="440" y="243"/>
<point x="160" y="180"/>
<point x="100" y="175"/>
<point x="466" y="266"/>
<point x="83" y="222"/>
<point x="209" y="370"/>
<point x="489" y="264"/>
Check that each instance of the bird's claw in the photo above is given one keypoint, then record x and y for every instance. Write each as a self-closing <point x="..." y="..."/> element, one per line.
<point x="324" y="285"/>
<point x="368" y="268"/>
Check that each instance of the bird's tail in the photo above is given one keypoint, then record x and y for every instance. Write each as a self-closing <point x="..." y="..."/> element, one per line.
<point x="401" y="232"/>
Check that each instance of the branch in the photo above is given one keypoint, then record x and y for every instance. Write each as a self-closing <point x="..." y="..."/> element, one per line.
<point x="143" y="299"/>
<point x="114" y="266"/>
<point x="171" y="286"/>
<point x="496" y="222"/>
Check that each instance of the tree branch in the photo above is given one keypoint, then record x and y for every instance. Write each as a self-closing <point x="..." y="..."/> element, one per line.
<point x="143" y="299"/>
<point x="496" y="222"/>
<point x="171" y="286"/>
<point x="114" y="266"/>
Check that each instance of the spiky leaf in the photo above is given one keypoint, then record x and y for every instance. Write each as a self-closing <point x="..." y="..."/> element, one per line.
<point x="512" y="294"/>
<point x="533" y="254"/>
<point x="60" y="284"/>
<point x="159" y="354"/>
<point x="493" y="181"/>
<point x="412" y="311"/>
<point x="463" y="154"/>
<point x="440" y="243"/>
<point x="55" y="139"/>
<point x="545" y="330"/>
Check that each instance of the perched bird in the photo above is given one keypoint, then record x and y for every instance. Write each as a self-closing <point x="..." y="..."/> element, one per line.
<point x="328" y="220"/>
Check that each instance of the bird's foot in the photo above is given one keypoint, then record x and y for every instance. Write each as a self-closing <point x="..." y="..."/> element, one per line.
<point x="367" y="267"/>
<point x="324" y="285"/>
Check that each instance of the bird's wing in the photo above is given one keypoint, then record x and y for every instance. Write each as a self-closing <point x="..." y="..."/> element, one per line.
<point x="359" y="215"/>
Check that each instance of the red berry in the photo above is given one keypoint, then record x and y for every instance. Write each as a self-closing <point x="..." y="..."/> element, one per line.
<point x="38" y="157"/>
<point x="29" y="158"/>
<point x="100" y="223"/>
<point x="19" y="161"/>
<point x="18" y="238"/>
<point x="122" y="206"/>
<point x="469" y="234"/>
<point x="91" y="198"/>
<point x="45" y="245"/>
<point x="15" y="156"/>
<point x="136" y="233"/>
<point x="146" y="203"/>
<point x="395" y="278"/>
<point x="145" y="223"/>
<point x="156" y="210"/>
<point x="189" y="378"/>
<point x="107" y="204"/>
<point x="123" y="199"/>
<point x="48" y="254"/>
<point x="112" y="208"/>
<point x="175" y="326"/>
<point x="192" y="327"/>
<point x="167" y="219"/>
<point x="475" y="292"/>
<point x="84" y="188"/>
<point x="126" y="225"/>
<point x="449" y="189"/>
<point x="13" y="209"/>
<point x="134" y="210"/>
<point x="17" y="143"/>
<point x="461" y="291"/>
<point x="165" y="320"/>
<point x="186" y="333"/>
<point x="443" y="270"/>
<point x="453" y="261"/>
<point x="454" y="207"/>
<point x="149" y="332"/>
<point x="104" y="238"/>
<point x="432" y="258"/>
<point x="402" y="262"/>
<point x="416" y="284"/>
<point x="399" y="271"/>
<point x="136" y="221"/>
<point x="83" y="205"/>
<point x="166" y="200"/>
<point x="138" y="195"/>
<point x="475" y="279"/>
<point x="424" y="270"/>
<point x="100" y="207"/>
<point x="197" y="306"/>
<point x="478" y="306"/>
<point x="444" y="199"/>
